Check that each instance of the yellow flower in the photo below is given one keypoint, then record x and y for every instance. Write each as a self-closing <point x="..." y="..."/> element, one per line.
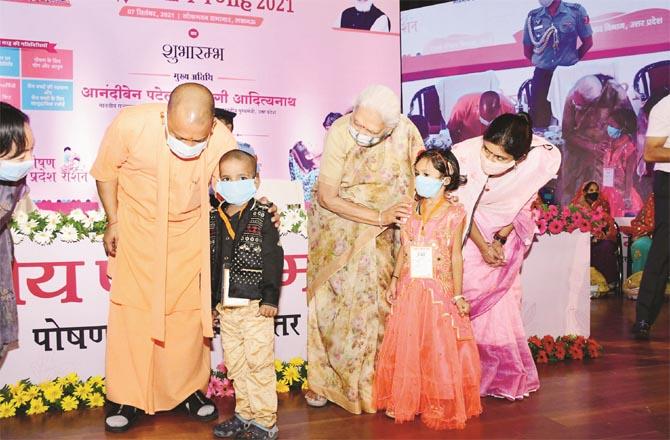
<point x="82" y="391"/>
<point x="282" y="386"/>
<point x="69" y="403"/>
<point x="7" y="410"/>
<point x="18" y="388"/>
<point x="33" y="392"/>
<point x="21" y="399"/>
<point x="37" y="406"/>
<point x="96" y="381"/>
<point x="53" y="393"/>
<point x="291" y="374"/>
<point x="305" y="386"/>
<point x="296" y="361"/>
<point x="47" y="384"/>
<point x="279" y="365"/>
<point x="71" y="378"/>
<point x="96" y="400"/>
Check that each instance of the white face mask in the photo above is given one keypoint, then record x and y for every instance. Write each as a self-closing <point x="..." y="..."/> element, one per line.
<point x="182" y="150"/>
<point x="546" y="3"/>
<point x="11" y="171"/>
<point x="492" y="168"/>
<point x="365" y="140"/>
<point x="484" y="122"/>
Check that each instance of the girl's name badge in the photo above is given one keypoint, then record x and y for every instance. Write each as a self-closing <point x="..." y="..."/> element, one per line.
<point x="421" y="262"/>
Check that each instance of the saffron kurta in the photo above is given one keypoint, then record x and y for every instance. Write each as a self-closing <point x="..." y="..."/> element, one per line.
<point x="159" y="317"/>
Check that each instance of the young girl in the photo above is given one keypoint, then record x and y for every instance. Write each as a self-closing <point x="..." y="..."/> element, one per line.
<point x="428" y="363"/>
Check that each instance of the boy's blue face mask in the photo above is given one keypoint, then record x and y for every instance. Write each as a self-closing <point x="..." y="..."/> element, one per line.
<point x="236" y="192"/>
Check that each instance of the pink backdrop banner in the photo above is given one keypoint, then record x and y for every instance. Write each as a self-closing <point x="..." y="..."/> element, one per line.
<point x="282" y="65"/>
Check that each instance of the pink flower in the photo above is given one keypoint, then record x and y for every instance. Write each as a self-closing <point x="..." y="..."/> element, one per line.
<point x="555" y="227"/>
<point x="221" y="368"/>
<point x="577" y="217"/>
<point x="571" y="227"/>
<point x="565" y="213"/>
<point x="227" y="390"/>
<point x="584" y="226"/>
<point x="547" y="216"/>
<point x="542" y="226"/>
<point x="596" y="216"/>
<point x="553" y="210"/>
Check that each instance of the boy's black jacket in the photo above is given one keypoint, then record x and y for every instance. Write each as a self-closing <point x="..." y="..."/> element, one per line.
<point x="255" y="257"/>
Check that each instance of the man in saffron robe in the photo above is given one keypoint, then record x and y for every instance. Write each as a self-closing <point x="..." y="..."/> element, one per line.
<point x="153" y="170"/>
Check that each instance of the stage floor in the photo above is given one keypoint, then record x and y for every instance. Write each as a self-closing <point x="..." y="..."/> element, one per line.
<point x="623" y="395"/>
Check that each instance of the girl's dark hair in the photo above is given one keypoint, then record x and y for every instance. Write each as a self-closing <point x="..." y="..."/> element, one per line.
<point x="513" y="132"/>
<point x="12" y="130"/>
<point x="626" y="119"/>
<point x="446" y="163"/>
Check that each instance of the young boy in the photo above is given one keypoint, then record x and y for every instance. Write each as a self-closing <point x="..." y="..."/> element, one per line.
<point x="246" y="278"/>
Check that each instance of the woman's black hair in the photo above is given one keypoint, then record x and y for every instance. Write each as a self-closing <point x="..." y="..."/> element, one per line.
<point x="513" y="132"/>
<point x="446" y="163"/>
<point x="626" y="119"/>
<point x="586" y="186"/>
<point x="12" y="130"/>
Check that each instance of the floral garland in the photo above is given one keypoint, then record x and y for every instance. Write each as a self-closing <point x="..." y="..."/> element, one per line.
<point x="293" y="221"/>
<point x="548" y="350"/>
<point x="291" y="375"/>
<point x="61" y="394"/>
<point x="43" y="227"/>
<point x="552" y="220"/>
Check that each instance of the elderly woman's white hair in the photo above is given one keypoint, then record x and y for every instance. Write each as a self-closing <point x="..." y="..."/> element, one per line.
<point x="382" y="100"/>
<point x="589" y="87"/>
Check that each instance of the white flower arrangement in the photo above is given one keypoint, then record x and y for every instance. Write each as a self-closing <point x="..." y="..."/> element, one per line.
<point x="43" y="227"/>
<point x="293" y="221"/>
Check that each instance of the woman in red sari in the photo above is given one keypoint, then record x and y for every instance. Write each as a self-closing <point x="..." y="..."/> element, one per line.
<point x="603" y="240"/>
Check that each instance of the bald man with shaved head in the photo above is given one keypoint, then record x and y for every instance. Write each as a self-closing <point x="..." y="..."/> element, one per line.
<point x="152" y="172"/>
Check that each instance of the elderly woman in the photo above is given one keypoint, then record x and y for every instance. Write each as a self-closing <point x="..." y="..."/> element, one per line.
<point x="16" y="160"/>
<point x="505" y="169"/>
<point x="364" y="188"/>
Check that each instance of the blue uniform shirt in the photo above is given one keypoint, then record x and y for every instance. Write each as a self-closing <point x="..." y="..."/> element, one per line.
<point x="570" y="21"/>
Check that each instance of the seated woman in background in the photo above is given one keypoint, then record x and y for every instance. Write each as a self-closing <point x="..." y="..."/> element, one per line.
<point x="603" y="242"/>
<point x="640" y="232"/>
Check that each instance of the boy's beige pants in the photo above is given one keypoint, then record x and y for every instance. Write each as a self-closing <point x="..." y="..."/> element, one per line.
<point x="248" y="352"/>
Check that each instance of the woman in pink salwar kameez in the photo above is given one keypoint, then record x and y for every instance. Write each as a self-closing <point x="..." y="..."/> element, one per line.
<point x="505" y="169"/>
